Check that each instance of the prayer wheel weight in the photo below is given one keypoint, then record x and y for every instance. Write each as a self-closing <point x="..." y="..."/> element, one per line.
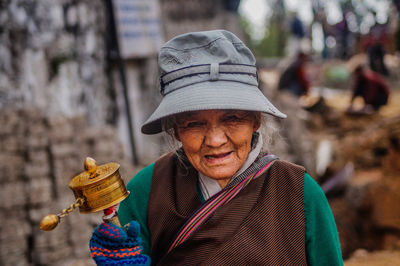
<point x="98" y="188"/>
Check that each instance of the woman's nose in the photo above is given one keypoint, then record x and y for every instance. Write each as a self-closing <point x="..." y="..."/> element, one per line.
<point x="215" y="137"/>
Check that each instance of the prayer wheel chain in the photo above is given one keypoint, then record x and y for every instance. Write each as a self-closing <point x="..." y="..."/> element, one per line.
<point x="77" y="204"/>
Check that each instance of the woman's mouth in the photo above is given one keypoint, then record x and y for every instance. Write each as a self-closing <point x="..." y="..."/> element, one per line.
<point x="217" y="157"/>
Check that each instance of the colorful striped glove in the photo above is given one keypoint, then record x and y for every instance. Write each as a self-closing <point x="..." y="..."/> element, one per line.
<point x="112" y="245"/>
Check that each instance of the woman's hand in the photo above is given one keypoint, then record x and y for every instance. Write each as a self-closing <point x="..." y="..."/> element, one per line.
<point x="112" y="245"/>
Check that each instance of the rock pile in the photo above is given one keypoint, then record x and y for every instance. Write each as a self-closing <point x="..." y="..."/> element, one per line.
<point x="367" y="205"/>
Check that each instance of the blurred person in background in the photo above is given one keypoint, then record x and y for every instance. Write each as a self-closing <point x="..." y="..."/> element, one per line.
<point x="296" y="38"/>
<point x="220" y="198"/>
<point x="294" y="78"/>
<point x="397" y="33"/>
<point x="343" y="36"/>
<point x="231" y="5"/>
<point x="371" y="87"/>
<point x="375" y="46"/>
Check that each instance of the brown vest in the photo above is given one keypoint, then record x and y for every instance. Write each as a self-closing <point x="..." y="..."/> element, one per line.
<point x="263" y="225"/>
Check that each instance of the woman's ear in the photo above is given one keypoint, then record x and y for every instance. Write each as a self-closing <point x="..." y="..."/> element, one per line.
<point x="176" y="134"/>
<point x="257" y="122"/>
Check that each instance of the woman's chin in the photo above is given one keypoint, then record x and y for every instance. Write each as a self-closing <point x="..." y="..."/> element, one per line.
<point x="219" y="173"/>
<point x="223" y="168"/>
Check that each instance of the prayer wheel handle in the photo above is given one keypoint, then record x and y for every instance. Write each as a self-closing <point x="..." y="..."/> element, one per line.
<point x="98" y="188"/>
<point x="50" y="221"/>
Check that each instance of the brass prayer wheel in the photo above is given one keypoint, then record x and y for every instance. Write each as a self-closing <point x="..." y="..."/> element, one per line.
<point x="96" y="189"/>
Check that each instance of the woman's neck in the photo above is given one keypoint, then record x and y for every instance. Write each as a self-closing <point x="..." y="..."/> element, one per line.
<point x="223" y="182"/>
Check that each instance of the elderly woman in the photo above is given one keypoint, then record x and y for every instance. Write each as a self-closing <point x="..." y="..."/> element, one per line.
<point x="220" y="199"/>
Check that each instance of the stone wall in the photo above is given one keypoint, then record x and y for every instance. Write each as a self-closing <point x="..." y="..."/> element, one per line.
<point x="53" y="57"/>
<point x="53" y="85"/>
<point x="38" y="158"/>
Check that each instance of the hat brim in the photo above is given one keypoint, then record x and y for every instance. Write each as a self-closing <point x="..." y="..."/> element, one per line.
<point x="207" y="96"/>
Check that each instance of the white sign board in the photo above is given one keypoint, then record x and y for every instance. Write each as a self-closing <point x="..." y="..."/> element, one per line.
<point x="138" y="25"/>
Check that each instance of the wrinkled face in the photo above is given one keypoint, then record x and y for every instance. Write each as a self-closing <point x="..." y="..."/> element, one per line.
<point x="217" y="142"/>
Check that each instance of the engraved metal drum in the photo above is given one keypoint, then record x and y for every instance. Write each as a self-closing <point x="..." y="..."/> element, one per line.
<point x="96" y="189"/>
<point x="100" y="187"/>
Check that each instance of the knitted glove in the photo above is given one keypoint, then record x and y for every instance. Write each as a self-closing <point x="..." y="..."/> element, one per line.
<point x="112" y="245"/>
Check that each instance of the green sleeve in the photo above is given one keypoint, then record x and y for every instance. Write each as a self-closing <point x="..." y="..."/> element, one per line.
<point x="134" y="207"/>
<point x="322" y="241"/>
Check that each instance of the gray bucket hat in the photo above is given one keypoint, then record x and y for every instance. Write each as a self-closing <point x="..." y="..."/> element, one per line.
<point x="207" y="70"/>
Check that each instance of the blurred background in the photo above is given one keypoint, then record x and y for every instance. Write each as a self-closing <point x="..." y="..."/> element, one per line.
<point x="79" y="77"/>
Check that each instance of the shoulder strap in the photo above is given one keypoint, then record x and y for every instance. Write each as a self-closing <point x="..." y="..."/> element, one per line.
<point x="211" y="205"/>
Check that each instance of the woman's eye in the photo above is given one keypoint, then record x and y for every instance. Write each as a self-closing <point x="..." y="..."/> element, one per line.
<point x="193" y="124"/>
<point x="232" y="118"/>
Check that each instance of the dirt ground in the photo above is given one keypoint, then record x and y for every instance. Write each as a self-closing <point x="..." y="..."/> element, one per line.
<point x="381" y="258"/>
<point x="369" y="175"/>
